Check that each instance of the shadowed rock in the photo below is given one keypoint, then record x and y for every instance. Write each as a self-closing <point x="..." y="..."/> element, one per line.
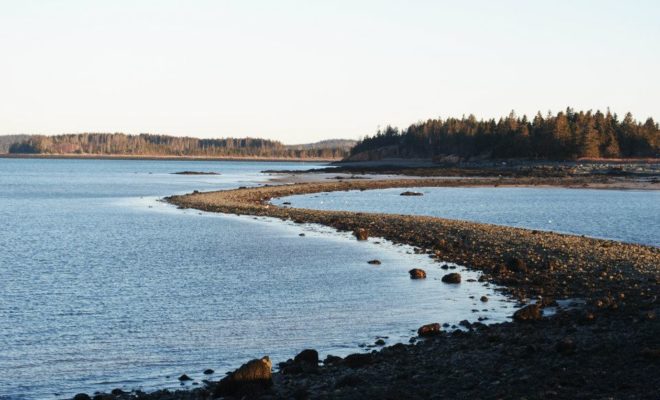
<point x="308" y="356"/>
<point x="531" y="312"/>
<point x="412" y="194"/>
<point x="358" y="360"/>
<point x="374" y="262"/>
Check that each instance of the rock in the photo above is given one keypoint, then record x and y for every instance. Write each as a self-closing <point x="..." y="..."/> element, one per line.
<point x="531" y="312"/>
<point x="408" y="193"/>
<point x="361" y="234"/>
<point x="358" y="360"/>
<point x="380" y="342"/>
<point x="429" y="330"/>
<point x="331" y="360"/>
<point x="465" y="323"/>
<point x="301" y="234"/>
<point x="308" y="356"/>
<point x="255" y="376"/>
<point x="516" y="265"/>
<point x="565" y="346"/>
<point x="117" y="392"/>
<point x="483" y="299"/>
<point x="208" y="371"/>
<point x="444" y="266"/>
<point x="374" y="262"/>
<point x="184" y="378"/>
<point x="82" y="396"/>
<point x="417" y="273"/>
<point x="453" y="277"/>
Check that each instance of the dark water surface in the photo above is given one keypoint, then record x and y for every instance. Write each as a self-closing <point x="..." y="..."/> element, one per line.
<point x="624" y="215"/>
<point x="102" y="286"/>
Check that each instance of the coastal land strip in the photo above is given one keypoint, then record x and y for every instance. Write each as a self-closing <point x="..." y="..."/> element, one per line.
<point x="607" y="346"/>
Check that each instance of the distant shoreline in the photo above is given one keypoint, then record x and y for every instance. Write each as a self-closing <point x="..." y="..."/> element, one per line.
<point x="159" y="158"/>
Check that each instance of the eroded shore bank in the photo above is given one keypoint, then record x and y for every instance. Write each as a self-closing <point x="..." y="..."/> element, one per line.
<point x="610" y="347"/>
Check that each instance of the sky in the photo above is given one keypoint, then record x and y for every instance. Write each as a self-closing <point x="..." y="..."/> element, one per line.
<point x="302" y="71"/>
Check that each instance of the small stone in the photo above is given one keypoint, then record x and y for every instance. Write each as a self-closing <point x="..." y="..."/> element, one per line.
<point x="531" y="312"/>
<point x="566" y="346"/>
<point x="208" y="371"/>
<point x="361" y="234"/>
<point x="429" y="330"/>
<point x="516" y="265"/>
<point x="408" y="193"/>
<point x="484" y="299"/>
<point x="374" y="262"/>
<point x="184" y="378"/>
<point x="453" y="278"/>
<point x="417" y="273"/>
<point x="380" y="342"/>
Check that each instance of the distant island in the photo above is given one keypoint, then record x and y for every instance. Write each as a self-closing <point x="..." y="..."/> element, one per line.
<point x="568" y="135"/>
<point x="154" y="146"/>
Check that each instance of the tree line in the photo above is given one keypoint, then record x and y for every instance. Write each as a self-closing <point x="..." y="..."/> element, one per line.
<point x="162" y="145"/>
<point x="564" y="136"/>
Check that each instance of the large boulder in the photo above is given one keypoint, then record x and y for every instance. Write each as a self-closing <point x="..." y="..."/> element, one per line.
<point x="308" y="356"/>
<point x="417" y="273"/>
<point x="251" y="378"/>
<point x="361" y="234"/>
<point x="531" y="312"/>
<point x="453" y="277"/>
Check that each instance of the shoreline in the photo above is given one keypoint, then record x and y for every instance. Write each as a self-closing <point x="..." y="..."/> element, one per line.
<point x="159" y="158"/>
<point x="613" y="340"/>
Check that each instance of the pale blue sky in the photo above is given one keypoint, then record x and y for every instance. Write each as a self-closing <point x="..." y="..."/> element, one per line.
<point x="299" y="71"/>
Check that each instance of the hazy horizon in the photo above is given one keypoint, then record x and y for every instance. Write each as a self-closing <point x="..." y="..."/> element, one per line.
<point x="300" y="72"/>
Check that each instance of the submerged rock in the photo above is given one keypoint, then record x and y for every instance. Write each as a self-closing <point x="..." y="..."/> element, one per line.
<point x="429" y="330"/>
<point x="453" y="277"/>
<point x="417" y="273"/>
<point x="253" y="377"/>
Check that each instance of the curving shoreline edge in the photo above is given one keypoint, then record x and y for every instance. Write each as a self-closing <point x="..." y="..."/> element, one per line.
<point x="608" y="348"/>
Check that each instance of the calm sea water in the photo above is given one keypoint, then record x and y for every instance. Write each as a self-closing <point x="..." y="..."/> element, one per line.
<point x="102" y="286"/>
<point x="624" y="215"/>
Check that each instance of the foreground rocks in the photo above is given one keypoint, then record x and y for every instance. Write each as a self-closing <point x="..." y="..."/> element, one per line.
<point x="606" y="348"/>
